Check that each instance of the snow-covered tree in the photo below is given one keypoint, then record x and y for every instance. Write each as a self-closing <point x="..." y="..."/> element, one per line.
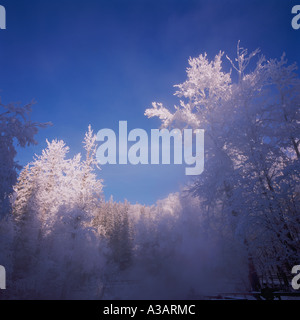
<point x="54" y="203"/>
<point x="52" y="181"/>
<point x="91" y="186"/>
<point x="250" y="183"/>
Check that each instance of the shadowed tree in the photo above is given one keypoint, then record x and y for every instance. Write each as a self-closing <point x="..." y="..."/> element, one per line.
<point x="15" y="128"/>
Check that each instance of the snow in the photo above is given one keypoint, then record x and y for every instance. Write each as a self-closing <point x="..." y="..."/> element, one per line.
<point x="233" y="229"/>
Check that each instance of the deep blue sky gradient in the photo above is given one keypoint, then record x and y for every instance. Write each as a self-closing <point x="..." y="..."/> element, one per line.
<point x="98" y="62"/>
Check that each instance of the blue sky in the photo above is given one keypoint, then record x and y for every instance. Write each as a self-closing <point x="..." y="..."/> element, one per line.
<point x="99" y="62"/>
